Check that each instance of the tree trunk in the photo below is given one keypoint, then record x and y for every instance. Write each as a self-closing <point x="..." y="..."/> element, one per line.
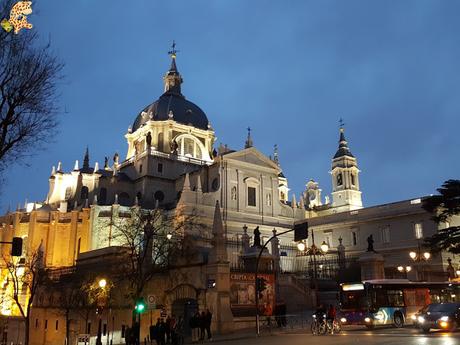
<point x="26" y="330"/>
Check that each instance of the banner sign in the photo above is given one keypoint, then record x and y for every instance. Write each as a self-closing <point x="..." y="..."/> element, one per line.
<point x="243" y="290"/>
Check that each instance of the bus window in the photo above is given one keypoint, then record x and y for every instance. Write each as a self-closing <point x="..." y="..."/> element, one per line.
<point x="353" y="300"/>
<point x="395" y="298"/>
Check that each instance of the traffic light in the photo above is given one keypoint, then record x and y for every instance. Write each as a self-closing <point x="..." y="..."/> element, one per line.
<point x="140" y="306"/>
<point x="261" y="285"/>
<point x="16" y="249"/>
<point x="300" y="232"/>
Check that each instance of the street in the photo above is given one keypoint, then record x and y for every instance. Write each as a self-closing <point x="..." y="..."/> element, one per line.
<point x="387" y="336"/>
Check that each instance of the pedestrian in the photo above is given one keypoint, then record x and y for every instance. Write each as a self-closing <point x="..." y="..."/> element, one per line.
<point x="153" y="334"/>
<point x="128" y="336"/>
<point x="179" y="331"/>
<point x="202" y="324"/>
<point x="194" y="325"/>
<point x="168" y="330"/>
<point x="208" y="320"/>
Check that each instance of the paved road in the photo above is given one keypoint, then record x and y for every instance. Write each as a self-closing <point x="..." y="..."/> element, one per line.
<point x="350" y="336"/>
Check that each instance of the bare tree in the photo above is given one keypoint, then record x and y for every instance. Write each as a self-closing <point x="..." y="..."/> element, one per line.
<point x="26" y="277"/>
<point x="28" y="97"/>
<point x="153" y="240"/>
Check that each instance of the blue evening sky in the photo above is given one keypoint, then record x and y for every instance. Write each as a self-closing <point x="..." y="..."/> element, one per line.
<point x="288" y="69"/>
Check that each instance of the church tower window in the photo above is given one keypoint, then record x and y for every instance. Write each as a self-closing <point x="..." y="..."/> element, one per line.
<point x="353" y="179"/>
<point x="339" y="180"/>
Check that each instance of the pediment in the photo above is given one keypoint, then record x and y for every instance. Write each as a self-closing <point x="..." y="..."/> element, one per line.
<point x="252" y="156"/>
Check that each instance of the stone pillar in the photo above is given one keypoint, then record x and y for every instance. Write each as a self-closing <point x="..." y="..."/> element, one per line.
<point x="245" y="239"/>
<point x="372" y="265"/>
<point x="219" y="270"/>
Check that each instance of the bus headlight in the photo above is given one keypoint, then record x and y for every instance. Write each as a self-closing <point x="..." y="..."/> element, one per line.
<point x="414" y="317"/>
<point x="421" y="319"/>
<point x="444" y="324"/>
<point x="367" y="319"/>
<point x="343" y="320"/>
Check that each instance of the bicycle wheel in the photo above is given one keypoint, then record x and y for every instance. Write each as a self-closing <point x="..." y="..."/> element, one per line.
<point x="314" y="328"/>
<point x="337" y="327"/>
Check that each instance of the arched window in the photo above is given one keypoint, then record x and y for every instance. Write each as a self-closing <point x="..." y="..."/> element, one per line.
<point x="159" y="195"/>
<point x="84" y="193"/>
<point x="339" y="180"/>
<point x="191" y="147"/>
<point x="102" y="198"/>
<point x="123" y="199"/>
<point x="353" y="179"/>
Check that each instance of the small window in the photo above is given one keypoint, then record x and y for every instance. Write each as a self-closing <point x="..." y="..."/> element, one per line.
<point x="88" y="328"/>
<point x="140" y="168"/>
<point x="160" y="168"/>
<point x="418" y="229"/>
<point x="104" y="329"/>
<point x="36" y="323"/>
<point x="269" y="199"/>
<point x="159" y="195"/>
<point x="251" y="196"/>
<point x="339" y="180"/>
<point x="283" y="196"/>
<point x="353" y="179"/>
<point x="354" y="238"/>
<point x="46" y="324"/>
<point x="139" y="196"/>
<point x="57" y="325"/>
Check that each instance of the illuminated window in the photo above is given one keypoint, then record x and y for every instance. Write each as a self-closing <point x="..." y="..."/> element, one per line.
<point x="251" y="196"/>
<point x="418" y="229"/>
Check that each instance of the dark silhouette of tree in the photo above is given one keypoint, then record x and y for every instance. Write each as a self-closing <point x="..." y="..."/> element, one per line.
<point x="26" y="277"/>
<point x="443" y="207"/>
<point x="29" y="73"/>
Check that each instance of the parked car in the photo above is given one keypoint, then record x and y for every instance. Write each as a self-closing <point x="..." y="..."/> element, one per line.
<point x="444" y="316"/>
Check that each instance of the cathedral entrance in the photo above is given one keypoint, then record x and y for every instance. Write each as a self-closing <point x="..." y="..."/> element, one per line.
<point x="185" y="308"/>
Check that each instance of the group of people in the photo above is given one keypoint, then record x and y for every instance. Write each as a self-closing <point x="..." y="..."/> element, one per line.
<point x="201" y="325"/>
<point x="169" y="331"/>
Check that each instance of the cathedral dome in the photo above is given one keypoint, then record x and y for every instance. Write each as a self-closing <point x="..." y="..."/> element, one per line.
<point x="174" y="105"/>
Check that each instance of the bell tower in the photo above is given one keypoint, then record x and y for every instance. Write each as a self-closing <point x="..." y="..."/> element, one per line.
<point x="346" y="194"/>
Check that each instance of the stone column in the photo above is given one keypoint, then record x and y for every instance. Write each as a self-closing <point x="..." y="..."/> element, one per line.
<point x="372" y="266"/>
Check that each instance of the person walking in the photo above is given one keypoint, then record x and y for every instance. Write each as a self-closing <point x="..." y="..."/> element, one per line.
<point x="194" y="325"/>
<point x="208" y="320"/>
<point x="202" y="324"/>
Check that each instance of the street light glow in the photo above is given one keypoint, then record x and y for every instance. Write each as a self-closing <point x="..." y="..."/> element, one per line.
<point x="301" y="246"/>
<point x="426" y="255"/>
<point x="102" y="283"/>
<point x="324" y="247"/>
<point x="413" y="255"/>
<point x="408" y="268"/>
<point x="168" y="236"/>
<point x="400" y="268"/>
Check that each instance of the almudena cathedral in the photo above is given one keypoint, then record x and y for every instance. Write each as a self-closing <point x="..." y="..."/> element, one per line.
<point x="240" y="195"/>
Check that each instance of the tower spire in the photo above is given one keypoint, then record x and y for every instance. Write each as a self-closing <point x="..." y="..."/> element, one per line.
<point x="343" y="149"/>
<point x="249" y="143"/>
<point x="86" y="160"/>
<point x="173" y="79"/>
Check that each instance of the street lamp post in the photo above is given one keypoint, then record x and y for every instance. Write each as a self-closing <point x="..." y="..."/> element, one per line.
<point x="312" y="252"/>
<point x="420" y="258"/>
<point x="102" y="283"/>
